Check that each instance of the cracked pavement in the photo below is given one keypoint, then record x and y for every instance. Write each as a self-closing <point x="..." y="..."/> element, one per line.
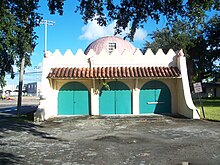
<point x="109" y="140"/>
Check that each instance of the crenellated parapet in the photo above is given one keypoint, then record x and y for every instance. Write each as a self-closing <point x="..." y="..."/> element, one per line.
<point x="91" y="59"/>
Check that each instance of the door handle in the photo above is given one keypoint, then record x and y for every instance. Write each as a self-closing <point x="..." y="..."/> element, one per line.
<point x="155" y="102"/>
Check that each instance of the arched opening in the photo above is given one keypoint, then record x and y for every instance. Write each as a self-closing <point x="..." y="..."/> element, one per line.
<point x="117" y="100"/>
<point x="73" y="99"/>
<point x="155" y="97"/>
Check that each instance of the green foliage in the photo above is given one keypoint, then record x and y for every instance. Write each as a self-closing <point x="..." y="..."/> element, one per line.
<point x="7" y="41"/>
<point x="176" y="38"/>
<point x="105" y="85"/>
<point x="137" y="12"/>
<point x="17" y="37"/>
<point x="201" y="46"/>
<point x="211" y="108"/>
<point x="205" y="51"/>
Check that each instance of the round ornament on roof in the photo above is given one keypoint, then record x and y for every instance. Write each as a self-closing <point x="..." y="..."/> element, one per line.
<point x="110" y="43"/>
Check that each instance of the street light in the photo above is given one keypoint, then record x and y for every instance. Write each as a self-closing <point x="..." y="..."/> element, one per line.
<point x="46" y="23"/>
<point x="37" y="71"/>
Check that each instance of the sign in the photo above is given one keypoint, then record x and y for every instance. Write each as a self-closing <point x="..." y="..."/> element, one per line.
<point x="197" y="87"/>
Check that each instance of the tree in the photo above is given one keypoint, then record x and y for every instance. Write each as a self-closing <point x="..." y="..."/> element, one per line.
<point x="205" y="52"/>
<point x="18" y="39"/>
<point x="137" y="12"/>
<point x="201" y="46"/>
<point x="176" y="37"/>
<point x="18" y="18"/>
<point x="8" y="42"/>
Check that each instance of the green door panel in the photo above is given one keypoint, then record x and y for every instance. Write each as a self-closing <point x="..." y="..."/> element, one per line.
<point x="65" y="103"/>
<point x="155" y="97"/>
<point x="106" y="102"/>
<point x="73" y="99"/>
<point x="147" y="97"/>
<point x="164" y="100"/>
<point x="80" y="101"/>
<point x="117" y="100"/>
<point x="123" y="102"/>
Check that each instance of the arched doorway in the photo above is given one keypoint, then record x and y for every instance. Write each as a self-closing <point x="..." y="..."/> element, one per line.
<point x="73" y="99"/>
<point x="155" y="97"/>
<point x="117" y="100"/>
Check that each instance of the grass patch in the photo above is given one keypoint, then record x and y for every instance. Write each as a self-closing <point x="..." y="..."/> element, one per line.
<point x="211" y="108"/>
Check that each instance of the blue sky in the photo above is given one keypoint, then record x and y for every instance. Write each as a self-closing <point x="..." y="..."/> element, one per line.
<point x="70" y="32"/>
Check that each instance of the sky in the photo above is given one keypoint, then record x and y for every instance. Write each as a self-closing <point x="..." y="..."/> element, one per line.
<point x="70" y="32"/>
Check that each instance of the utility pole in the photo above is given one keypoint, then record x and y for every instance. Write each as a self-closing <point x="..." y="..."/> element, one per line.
<point x="37" y="68"/>
<point x="46" y="23"/>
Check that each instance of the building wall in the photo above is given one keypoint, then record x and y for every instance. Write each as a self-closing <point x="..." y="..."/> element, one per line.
<point x="94" y="86"/>
<point x="212" y="91"/>
<point x="217" y="92"/>
<point x="186" y="106"/>
<point x="181" y="101"/>
<point x="208" y="92"/>
<point x="31" y="88"/>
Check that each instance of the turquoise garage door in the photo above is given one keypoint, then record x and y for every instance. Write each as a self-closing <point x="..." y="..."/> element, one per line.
<point x="73" y="99"/>
<point x="117" y="100"/>
<point x="155" y="97"/>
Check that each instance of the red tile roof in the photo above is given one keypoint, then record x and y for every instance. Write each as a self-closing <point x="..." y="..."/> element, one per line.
<point x="114" y="72"/>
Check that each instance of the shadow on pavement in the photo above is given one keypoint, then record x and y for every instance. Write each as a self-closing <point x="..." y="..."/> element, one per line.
<point x="8" y="159"/>
<point x="12" y="124"/>
<point x="213" y="120"/>
<point x="12" y="110"/>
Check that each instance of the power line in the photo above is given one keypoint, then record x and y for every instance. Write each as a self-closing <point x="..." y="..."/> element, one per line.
<point x="31" y="72"/>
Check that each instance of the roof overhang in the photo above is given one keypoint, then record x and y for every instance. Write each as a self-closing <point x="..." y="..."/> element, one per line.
<point x="114" y="73"/>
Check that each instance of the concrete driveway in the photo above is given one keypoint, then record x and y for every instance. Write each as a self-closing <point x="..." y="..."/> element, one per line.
<point x="142" y="140"/>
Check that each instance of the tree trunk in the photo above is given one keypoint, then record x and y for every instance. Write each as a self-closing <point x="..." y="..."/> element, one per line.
<point x="20" y="86"/>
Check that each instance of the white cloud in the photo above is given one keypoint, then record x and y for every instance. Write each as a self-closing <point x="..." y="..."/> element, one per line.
<point x="140" y="34"/>
<point x="93" y="31"/>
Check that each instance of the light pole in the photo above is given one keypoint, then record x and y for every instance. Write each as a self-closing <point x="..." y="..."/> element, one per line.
<point x="37" y="71"/>
<point x="46" y="23"/>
